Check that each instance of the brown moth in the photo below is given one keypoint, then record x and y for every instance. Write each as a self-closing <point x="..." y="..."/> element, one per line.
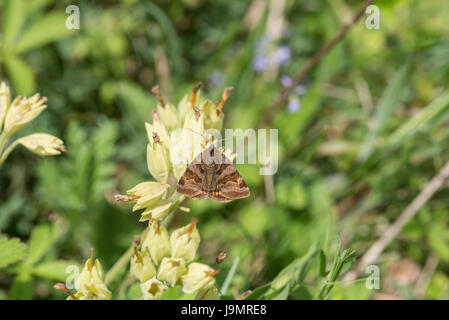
<point x="212" y="175"/>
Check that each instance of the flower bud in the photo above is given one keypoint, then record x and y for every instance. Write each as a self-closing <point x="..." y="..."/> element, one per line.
<point x="152" y="289"/>
<point x="91" y="282"/>
<point x="158" y="212"/>
<point x="43" y="144"/>
<point x="198" y="277"/>
<point x="157" y="129"/>
<point x="158" y="162"/>
<point x="157" y="243"/>
<point x="194" y="128"/>
<point x="179" y="149"/>
<point x="169" y="116"/>
<point x="5" y="100"/>
<point x="185" y="241"/>
<point x="171" y="270"/>
<point x="148" y="193"/>
<point x="22" y="111"/>
<point x="167" y="111"/>
<point x="213" y="116"/>
<point x="209" y="294"/>
<point x="184" y="107"/>
<point x="188" y="102"/>
<point x="142" y="267"/>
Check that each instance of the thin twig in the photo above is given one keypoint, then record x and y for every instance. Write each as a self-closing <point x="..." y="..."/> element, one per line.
<point x="378" y="247"/>
<point x="426" y="275"/>
<point x="283" y="95"/>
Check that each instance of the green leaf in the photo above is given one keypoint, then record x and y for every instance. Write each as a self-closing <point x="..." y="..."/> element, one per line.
<point x="421" y="119"/>
<point x="14" y="17"/>
<point x="384" y="109"/>
<point x="342" y="259"/>
<point x="22" y="287"/>
<point x="258" y="292"/>
<point x="49" y="28"/>
<point x="227" y="282"/>
<point x="11" y="250"/>
<point x="295" y="272"/>
<point x="21" y="75"/>
<point x="37" y="4"/>
<point x="54" y="270"/>
<point x="42" y="238"/>
<point x="135" y="292"/>
<point x="172" y="294"/>
<point x="322" y="263"/>
<point x="280" y="294"/>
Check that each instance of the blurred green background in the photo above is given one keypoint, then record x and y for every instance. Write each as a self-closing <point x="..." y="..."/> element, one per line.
<point x="349" y="160"/>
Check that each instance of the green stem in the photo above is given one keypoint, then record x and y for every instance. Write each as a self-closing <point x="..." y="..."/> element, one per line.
<point x="122" y="262"/>
<point x="2" y="142"/>
<point x="8" y="150"/>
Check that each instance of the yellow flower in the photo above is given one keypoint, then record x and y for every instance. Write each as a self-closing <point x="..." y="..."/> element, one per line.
<point x="158" y="162"/>
<point x="185" y="241"/>
<point x="157" y="129"/>
<point x="213" y="111"/>
<point x="42" y="144"/>
<point x="198" y="277"/>
<point x="148" y="193"/>
<point x="167" y="111"/>
<point x="171" y="270"/>
<point x="91" y="282"/>
<point x="188" y="102"/>
<point x="5" y="100"/>
<point x="179" y="150"/>
<point x="22" y="111"/>
<point x="157" y="212"/>
<point x="157" y="243"/>
<point x="169" y="116"/>
<point x="142" y="267"/>
<point x="194" y="128"/>
<point x="152" y="289"/>
<point x="209" y="294"/>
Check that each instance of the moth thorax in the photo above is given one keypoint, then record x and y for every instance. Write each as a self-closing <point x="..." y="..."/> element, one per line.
<point x="210" y="169"/>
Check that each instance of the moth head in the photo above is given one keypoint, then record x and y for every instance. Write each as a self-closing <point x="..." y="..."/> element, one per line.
<point x="211" y="155"/>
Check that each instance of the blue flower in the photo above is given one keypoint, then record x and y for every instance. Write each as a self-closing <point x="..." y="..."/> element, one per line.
<point x="260" y="63"/>
<point x="286" y="81"/>
<point x="282" y="55"/>
<point x="294" y="105"/>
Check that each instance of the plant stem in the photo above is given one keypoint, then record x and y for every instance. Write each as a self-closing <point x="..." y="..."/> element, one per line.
<point x="122" y="261"/>
<point x="308" y="66"/>
<point x="8" y="150"/>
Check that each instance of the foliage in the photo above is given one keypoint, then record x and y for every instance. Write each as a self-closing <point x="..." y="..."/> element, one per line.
<point x="358" y="140"/>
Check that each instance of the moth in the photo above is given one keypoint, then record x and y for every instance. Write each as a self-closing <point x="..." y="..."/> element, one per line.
<point x="212" y="175"/>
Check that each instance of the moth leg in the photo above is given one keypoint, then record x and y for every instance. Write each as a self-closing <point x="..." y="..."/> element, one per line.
<point x="200" y="196"/>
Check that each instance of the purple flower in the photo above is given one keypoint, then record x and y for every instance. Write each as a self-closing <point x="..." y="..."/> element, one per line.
<point x="282" y="55"/>
<point x="286" y="81"/>
<point x="260" y="63"/>
<point x="294" y="104"/>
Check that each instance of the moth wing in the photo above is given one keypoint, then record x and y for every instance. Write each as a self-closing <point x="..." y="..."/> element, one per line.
<point x="230" y="184"/>
<point x="190" y="183"/>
